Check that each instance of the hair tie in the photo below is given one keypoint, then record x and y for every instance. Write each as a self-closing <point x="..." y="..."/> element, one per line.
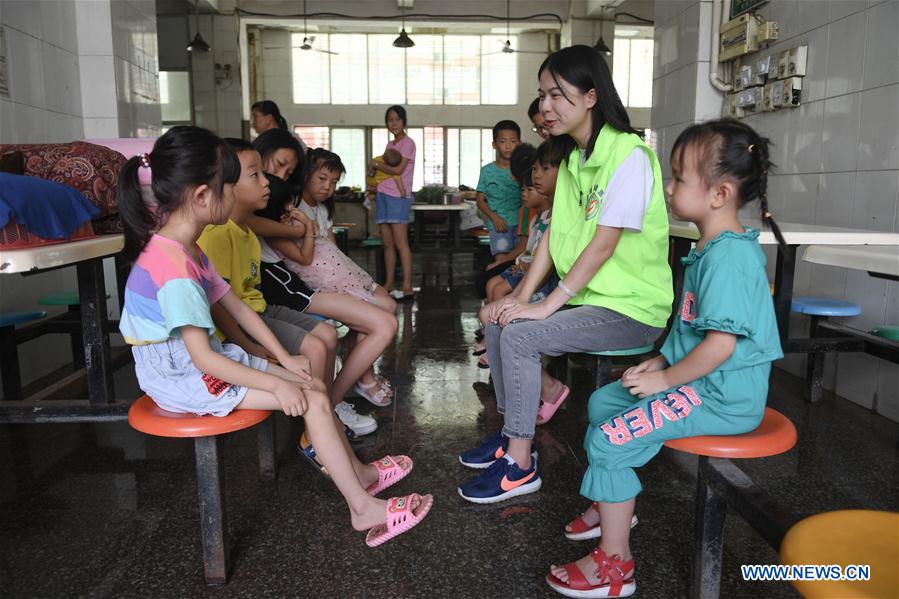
<point x="144" y="174"/>
<point x="768" y="215"/>
<point x="750" y="148"/>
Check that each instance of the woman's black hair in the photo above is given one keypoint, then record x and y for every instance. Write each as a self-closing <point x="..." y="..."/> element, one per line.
<point x="534" y="108"/>
<point x="731" y="149"/>
<point x="268" y="107"/>
<point x="550" y="153"/>
<point x="275" y="139"/>
<point x="400" y="112"/>
<point x="322" y="158"/>
<point x="184" y="158"/>
<point x="521" y="161"/>
<point x="584" y="68"/>
<point x="280" y="195"/>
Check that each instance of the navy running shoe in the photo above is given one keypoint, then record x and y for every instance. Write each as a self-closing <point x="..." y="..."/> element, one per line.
<point x="490" y="450"/>
<point x="503" y="480"/>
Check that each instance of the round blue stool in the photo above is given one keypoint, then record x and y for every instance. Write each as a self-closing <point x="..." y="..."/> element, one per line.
<point x="604" y="361"/>
<point x="9" y="353"/>
<point x="820" y="308"/>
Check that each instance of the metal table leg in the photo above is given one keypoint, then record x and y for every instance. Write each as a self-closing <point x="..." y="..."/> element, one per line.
<point x="419" y="225"/>
<point x="454" y="233"/>
<point x="783" y="287"/>
<point x="95" y="330"/>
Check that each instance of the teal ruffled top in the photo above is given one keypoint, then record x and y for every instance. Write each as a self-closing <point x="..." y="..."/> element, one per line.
<point x="726" y="289"/>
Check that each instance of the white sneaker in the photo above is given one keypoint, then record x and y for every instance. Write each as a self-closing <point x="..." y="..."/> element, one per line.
<point x="359" y="423"/>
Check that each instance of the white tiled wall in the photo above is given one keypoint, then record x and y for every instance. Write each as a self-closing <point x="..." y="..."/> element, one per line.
<point x="78" y="69"/>
<point x="837" y="154"/>
<point x="42" y="54"/>
<point x="217" y="106"/>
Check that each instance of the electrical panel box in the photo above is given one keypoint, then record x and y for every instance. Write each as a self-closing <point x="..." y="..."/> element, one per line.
<point x="763" y="66"/>
<point x="796" y="61"/>
<point x="738" y="37"/>
<point x="767" y="32"/>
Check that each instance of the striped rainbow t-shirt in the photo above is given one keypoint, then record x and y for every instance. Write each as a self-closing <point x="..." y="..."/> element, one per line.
<point x="168" y="289"/>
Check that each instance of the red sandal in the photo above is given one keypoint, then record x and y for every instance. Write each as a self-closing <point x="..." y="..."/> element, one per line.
<point x="616" y="578"/>
<point x="579" y="530"/>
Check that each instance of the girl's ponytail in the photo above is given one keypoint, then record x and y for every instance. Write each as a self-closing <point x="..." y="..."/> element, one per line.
<point x="138" y="220"/>
<point x="282" y="122"/>
<point x="764" y="162"/>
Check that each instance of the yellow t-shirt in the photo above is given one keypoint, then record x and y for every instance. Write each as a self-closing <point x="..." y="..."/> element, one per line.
<point x="379" y="176"/>
<point x="236" y="254"/>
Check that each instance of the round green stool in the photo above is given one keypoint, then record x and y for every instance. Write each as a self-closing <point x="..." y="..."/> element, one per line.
<point x="887" y="331"/>
<point x="604" y="361"/>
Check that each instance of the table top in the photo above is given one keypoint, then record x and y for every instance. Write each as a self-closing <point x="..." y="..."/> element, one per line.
<point x="440" y="207"/>
<point x="878" y="259"/>
<point x="800" y="234"/>
<point x="59" y="254"/>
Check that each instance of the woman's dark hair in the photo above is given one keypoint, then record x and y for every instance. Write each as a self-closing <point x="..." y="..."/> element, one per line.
<point x="534" y="108"/>
<point x="322" y="158"/>
<point x="550" y="153"/>
<point x="731" y="149"/>
<point x="184" y="158"/>
<point x="275" y="139"/>
<point x="268" y="107"/>
<point x="400" y="112"/>
<point x="584" y="68"/>
<point x="280" y="195"/>
<point x="521" y="161"/>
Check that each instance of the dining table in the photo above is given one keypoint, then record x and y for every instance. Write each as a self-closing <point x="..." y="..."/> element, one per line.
<point x="87" y="257"/>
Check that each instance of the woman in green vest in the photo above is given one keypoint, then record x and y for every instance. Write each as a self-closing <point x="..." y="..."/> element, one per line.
<point x="608" y="243"/>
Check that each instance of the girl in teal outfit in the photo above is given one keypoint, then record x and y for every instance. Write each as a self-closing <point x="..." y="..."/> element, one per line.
<point x="712" y="375"/>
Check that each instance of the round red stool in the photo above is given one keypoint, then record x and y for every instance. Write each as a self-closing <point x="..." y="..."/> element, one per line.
<point x="145" y="416"/>
<point x="719" y="482"/>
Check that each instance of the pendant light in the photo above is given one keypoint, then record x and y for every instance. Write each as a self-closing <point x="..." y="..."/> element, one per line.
<point x="600" y="45"/>
<point x="403" y="40"/>
<point x="198" y="44"/>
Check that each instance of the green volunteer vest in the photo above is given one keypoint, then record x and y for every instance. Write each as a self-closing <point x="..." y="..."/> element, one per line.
<point x="636" y="279"/>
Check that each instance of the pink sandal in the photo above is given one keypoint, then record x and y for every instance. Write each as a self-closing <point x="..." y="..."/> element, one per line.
<point x="390" y="472"/>
<point x="548" y="410"/>
<point x="403" y="514"/>
<point x="381" y="396"/>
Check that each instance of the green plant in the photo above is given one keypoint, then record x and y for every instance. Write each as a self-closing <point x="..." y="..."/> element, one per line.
<point x="431" y="194"/>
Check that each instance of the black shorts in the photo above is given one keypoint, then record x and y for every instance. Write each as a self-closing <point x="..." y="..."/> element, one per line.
<point x="283" y="287"/>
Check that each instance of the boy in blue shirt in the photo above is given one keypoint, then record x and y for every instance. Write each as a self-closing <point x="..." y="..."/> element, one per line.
<point x="499" y="195"/>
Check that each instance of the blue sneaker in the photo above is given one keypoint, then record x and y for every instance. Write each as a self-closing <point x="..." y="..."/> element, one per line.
<point x="490" y="450"/>
<point x="503" y="480"/>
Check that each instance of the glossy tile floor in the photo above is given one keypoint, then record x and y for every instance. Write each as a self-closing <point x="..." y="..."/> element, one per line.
<point x="101" y="510"/>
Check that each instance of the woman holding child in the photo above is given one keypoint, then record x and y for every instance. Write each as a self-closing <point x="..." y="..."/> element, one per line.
<point x="608" y="243"/>
<point x="394" y="201"/>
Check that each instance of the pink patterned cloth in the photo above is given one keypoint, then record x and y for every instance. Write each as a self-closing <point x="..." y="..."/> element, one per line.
<point x="332" y="271"/>
<point x="91" y="169"/>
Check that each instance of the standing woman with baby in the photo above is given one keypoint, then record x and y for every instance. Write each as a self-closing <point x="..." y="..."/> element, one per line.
<point x="392" y="206"/>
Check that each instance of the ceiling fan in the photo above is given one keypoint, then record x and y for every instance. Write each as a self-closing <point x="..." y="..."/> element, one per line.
<point x="507" y="45"/>
<point x="308" y="40"/>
